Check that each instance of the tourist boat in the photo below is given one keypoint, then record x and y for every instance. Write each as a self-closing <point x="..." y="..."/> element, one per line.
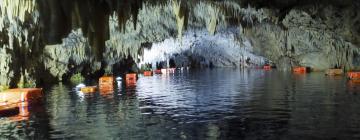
<point x="163" y="71"/>
<point x="171" y="70"/>
<point x="353" y="75"/>
<point x="19" y="95"/>
<point x="15" y="113"/>
<point x="333" y="72"/>
<point x="299" y="69"/>
<point x="9" y="110"/>
<point x="106" y="82"/>
<point x="19" y="99"/>
<point x="157" y="71"/>
<point x="131" y="78"/>
<point x="104" y="91"/>
<point x="90" y="89"/>
<point x="267" y="67"/>
<point x="148" y="73"/>
<point x="168" y="70"/>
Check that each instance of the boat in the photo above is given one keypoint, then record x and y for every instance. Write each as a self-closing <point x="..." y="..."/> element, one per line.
<point x="19" y="95"/>
<point x="353" y="75"/>
<point x="171" y="70"/>
<point x="106" y="82"/>
<point x="105" y="91"/>
<point x="334" y="72"/>
<point x="9" y="110"/>
<point x="19" y="99"/>
<point x="89" y="89"/>
<point x="299" y="69"/>
<point x="131" y="78"/>
<point x="267" y="67"/>
<point x="157" y="71"/>
<point x="163" y="71"/>
<point x="148" y="73"/>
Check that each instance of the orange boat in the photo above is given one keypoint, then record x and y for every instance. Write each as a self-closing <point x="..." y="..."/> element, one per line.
<point x="267" y="67"/>
<point x="15" y="96"/>
<point x="131" y="78"/>
<point x="334" y="72"/>
<point x="299" y="69"/>
<point x="15" y="113"/>
<point x="91" y="89"/>
<point x="106" y="82"/>
<point x="148" y="73"/>
<point x="106" y="90"/>
<point x="157" y="71"/>
<point x="23" y="109"/>
<point x="19" y="99"/>
<point x="20" y="112"/>
<point x="9" y="110"/>
<point x="353" y="75"/>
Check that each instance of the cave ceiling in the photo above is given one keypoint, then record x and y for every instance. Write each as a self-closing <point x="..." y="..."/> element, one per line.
<point x="59" y="17"/>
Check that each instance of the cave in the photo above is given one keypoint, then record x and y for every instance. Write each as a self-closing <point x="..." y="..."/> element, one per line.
<point x="180" y="69"/>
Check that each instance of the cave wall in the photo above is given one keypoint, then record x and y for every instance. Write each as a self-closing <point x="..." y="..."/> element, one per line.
<point x="19" y="41"/>
<point x="318" y="37"/>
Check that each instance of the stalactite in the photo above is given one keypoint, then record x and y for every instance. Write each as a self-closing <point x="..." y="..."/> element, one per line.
<point x="180" y="17"/>
<point x="13" y="10"/>
<point x="212" y="22"/>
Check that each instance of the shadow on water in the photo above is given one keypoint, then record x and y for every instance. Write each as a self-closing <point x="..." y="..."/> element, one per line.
<point x="201" y="104"/>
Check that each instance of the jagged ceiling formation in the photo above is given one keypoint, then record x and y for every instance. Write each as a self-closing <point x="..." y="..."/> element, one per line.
<point x="59" y="17"/>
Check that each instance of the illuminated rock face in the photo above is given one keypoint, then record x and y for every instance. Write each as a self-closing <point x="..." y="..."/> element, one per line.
<point x="60" y="38"/>
<point x="198" y="48"/>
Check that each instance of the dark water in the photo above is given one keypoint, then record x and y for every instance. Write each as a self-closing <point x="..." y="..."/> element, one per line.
<point x="201" y="104"/>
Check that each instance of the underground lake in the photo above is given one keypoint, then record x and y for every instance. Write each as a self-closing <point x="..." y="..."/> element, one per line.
<point x="220" y="103"/>
<point x="180" y="69"/>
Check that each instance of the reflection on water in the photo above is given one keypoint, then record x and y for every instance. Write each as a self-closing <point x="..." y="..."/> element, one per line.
<point x="201" y="104"/>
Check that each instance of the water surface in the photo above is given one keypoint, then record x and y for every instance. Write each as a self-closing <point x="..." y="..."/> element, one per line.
<point x="200" y="104"/>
